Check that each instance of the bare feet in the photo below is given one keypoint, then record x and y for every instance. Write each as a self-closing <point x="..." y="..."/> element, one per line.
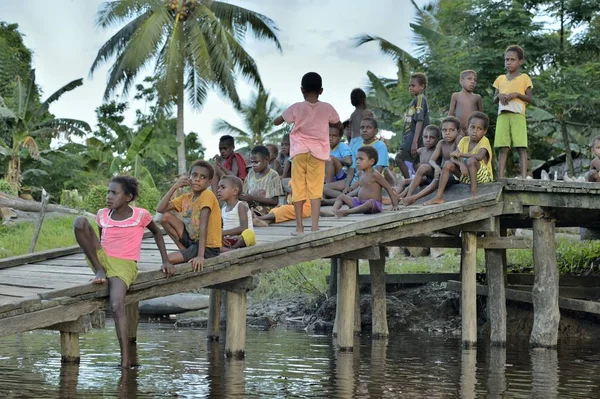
<point x="408" y="201"/>
<point x="100" y="278"/>
<point x="342" y="212"/>
<point x="297" y="233"/>
<point x="326" y="214"/>
<point x="259" y="223"/>
<point x="434" y="201"/>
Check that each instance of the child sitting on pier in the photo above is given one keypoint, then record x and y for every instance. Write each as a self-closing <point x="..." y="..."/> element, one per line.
<point x="594" y="173"/>
<point x="367" y="198"/>
<point x="424" y="174"/>
<point x="238" y="231"/>
<point x="340" y="157"/>
<point x="115" y="255"/>
<point x="284" y="157"/>
<point x="273" y="158"/>
<point x="471" y="162"/>
<point x="228" y="162"/>
<point x="441" y="155"/>
<point x="262" y="187"/>
<point x="198" y="233"/>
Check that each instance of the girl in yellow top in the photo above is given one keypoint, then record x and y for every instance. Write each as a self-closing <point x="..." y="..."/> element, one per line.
<point x="513" y="93"/>
<point x="471" y="162"/>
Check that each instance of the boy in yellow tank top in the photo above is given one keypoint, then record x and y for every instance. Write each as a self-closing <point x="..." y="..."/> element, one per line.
<point x="513" y="93"/>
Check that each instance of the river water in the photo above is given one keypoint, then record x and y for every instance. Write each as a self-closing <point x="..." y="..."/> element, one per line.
<point x="291" y="363"/>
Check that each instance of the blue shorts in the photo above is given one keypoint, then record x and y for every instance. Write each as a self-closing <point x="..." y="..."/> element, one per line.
<point x="340" y="176"/>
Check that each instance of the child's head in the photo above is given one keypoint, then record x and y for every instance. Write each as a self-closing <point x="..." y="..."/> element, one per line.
<point x="121" y="191"/>
<point x="259" y="158"/>
<point x="368" y="129"/>
<point x="468" y="80"/>
<point x="450" y="128"/>
<point x="595" y="145"/>
<point x="230" y="188"/>
<point x="417" y="83"/>
<point x="431" y="136"/>
<point x="358" y="97"/>
<point x="201" y="174"/>
<point x="335" y="136"/>
<point x="514" y="57"/>
<point x="478" y="125"/>
<point x="226" y="146"/>
<point x="273" y="151"/>
<point x="285" y="145"/>
<point x="366" y="157"/>
<point x="312" y="84"/>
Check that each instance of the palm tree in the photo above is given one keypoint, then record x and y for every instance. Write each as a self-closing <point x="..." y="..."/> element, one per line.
<point x="28" y="119"/>
<point x="194" y="45"/>
<point x="257" y="115"/>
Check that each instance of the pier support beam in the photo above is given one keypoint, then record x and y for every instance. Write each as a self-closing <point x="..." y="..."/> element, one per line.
<point x="357" y="318"/>
<point x="546" y="314"/>
<point x="69" y="347"/>
<point x="495" y="265"/>
<point x="332" y="289"/>
<point x="133" y="318"/>
<point x="214" y="315"/>
<point x="468" y="297"/>
<point x="346" y="304"/>
<point x="378" y="297"/>
<point x="235" y="338"/>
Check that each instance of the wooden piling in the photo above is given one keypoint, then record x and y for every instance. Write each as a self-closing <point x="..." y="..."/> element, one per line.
<point x="337" y="296"/>
<point x="346" y="305"/>
<point x="469" y="285"/>
<point x="69" y="347"/>
<point x="357" y="317"/>
<point x="546" y="315"/>
<point x="332" y="288"/>
<point x="378" y="297"/>
<point x="214" y="315"/>
<point x="235" y="338"/>
<point x="496" y="304"/>
<point x="133" y="318"/>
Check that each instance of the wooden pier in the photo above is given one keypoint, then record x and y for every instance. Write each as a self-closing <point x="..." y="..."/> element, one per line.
<point x="51" y="290"/>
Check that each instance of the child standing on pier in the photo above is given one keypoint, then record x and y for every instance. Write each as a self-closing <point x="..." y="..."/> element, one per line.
<point x="198" y="233"/>
<point x="238" y="231"/>
<point x="309" y="146"/>
<point x="465" y="102"/>
<point x="471" y="163"/>
<point x="367" y="198"/>
<point x="513" y="93"/>
<point x="115" y="255"/>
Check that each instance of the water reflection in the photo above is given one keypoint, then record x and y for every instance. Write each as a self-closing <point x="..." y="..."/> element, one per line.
<point x="282" y="363"/>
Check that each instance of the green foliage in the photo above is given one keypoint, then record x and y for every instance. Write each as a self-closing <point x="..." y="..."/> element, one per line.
<point x="71" y="199"/>
<point x="6" y="187"/>
<point x="95" y="199"/>
<point x="148" y="197"/>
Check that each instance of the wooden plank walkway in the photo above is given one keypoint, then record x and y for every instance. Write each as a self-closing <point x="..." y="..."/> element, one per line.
<point x="54" y="287"/>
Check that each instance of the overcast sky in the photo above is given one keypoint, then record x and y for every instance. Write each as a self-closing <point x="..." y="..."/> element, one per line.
<point x="315" y="35"/>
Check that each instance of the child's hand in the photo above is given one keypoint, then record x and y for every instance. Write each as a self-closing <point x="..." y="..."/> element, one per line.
<point x="395" y="207"/>
<point x="182" y="182"/>
<point x="455" y="154"/>
<point x="197" y="263"/>
<point x="437" y="171"/>
<point x="247" y="197"/>
<point x="347" y="189"/>
<point x="168" y="269"/>
<point x="414" y="148"/>
<point x="510" y="96"/>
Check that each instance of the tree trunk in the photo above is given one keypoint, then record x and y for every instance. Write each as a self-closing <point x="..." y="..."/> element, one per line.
<point x="569" y="157"/>
<point x="181" y="166"/>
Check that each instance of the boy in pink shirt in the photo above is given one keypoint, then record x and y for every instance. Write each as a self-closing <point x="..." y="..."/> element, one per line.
<point x="309" y="146"/>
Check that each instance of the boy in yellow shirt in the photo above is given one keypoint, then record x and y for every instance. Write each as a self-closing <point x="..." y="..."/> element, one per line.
<point x="513" y="93"/>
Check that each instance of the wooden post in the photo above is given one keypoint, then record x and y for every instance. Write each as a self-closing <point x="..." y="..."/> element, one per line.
<point x="38" y="228"/>
<point x="133" y="318"/>
<point x="337" y="300"/>
<point x="69" y="347"/>
<point x="468" y="293"/>
<point x="496" y="269"/>
<point x="332" y="289"/>
<point x="346" y="304"/>
<point x="235" y="338"/>
<point x="378" y="297"/>
<point x="546" y="314"/>
<point x="214" y="315"/>
<point x="357" y="317"/>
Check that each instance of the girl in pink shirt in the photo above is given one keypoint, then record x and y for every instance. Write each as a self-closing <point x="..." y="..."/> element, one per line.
<point x="309" y="146"/>
<point x="115" y="255"/>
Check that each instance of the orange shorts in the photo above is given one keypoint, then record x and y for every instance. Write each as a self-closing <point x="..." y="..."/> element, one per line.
<point x="308" y="174"/>
<point x="284" y="213"/>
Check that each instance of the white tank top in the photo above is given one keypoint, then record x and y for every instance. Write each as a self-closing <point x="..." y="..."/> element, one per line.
<point x="231" y="219"/>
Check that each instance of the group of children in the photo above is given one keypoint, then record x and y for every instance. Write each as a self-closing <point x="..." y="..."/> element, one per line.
<point x="226" y="201"/>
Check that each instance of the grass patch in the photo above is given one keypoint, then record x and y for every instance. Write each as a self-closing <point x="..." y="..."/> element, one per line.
<point x="57" y="232"/>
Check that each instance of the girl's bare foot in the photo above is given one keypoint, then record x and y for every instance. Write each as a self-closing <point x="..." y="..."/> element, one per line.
<point x="326" y="214"/>
<point x="100" y="278"/>
<point x="259" y="223"/>
<point x="434" y="201"/>
<point x="342" y="212"/>
<point x="408" y="201"/>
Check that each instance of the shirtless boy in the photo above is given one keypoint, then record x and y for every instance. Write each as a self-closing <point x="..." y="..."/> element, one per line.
<point x="443" y="150"/>
<point x="368" y="196"/>
<point x="358" y="98"/>
<point x="424" y="174"/>
<point x="463" y="103"/>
